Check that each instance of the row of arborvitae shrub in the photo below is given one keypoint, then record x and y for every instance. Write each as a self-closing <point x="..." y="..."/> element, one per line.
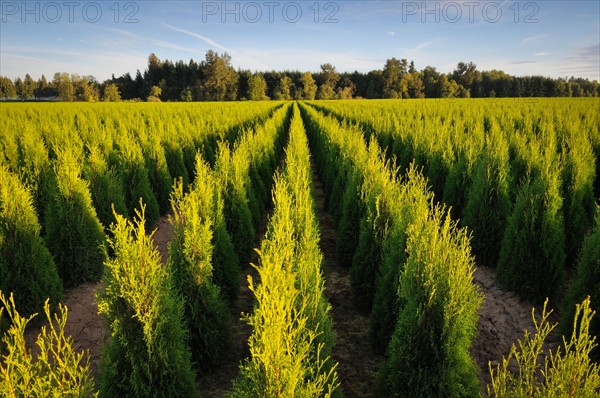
<point x="245" y="174"/>
<point x="519" y="175"/>
<point x="411" y="262"/>
<point x="167" y="320"/>
<point x="292" y="335"/>
<point x="72" y="176"/>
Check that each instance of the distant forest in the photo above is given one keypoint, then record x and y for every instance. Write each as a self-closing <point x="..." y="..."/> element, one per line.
<point x="215" y="79"/>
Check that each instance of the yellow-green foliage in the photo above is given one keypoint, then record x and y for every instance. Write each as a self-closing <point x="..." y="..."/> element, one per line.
<point x="55" y="370"/>
<point x="565" y="372"/>
<point x="190" y="264"/>
<point x="74" y="235"/>
<point x="147" y="354"/>
<point x="26" y="266"/>
<point x="165" y="139"/>
<point x="292" y="337"/>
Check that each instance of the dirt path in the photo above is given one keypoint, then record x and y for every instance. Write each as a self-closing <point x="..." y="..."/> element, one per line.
<point x="358" y="365"/>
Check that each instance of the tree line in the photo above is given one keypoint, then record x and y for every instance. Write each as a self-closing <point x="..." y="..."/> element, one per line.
<point x="215" y="79"/>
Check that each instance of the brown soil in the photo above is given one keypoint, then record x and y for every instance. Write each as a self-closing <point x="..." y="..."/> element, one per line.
<point x="358" y="364"/>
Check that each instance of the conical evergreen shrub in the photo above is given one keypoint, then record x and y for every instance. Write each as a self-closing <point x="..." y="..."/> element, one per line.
<point x="190" y="265"/>
<point x="147" y="355"/>
<point x="532" y="255"/>
<point x="74" y="235"/>
<point x="26" y="266"/>
<point x="488" y="205"/>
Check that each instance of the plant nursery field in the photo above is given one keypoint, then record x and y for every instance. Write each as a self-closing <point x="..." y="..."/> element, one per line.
<point x="365" y="248"/>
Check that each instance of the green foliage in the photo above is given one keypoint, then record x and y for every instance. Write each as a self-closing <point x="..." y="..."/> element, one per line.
<point x="488" y="204"/>
<point x="532" y="255"/>
<point x="566" y="372"/>
<point x="225" y="262"/>
<point x="137" y="181"/>
<point x="26" y="266"/>
<point x="238" y="217"/>
<point x="55" y="370"/>
<point x="578" y="187"/>
<point x="74" y="235"/>
<point x="147" y="354"/>
<point x="292" y="333"/>
<point x="586" y="282"/>
<point x="106" y="187"/>
<point x="160" y="177"/>
<point x="428" y="355"/>
<point x="190" y="265"/>
<point x="350" y="221"/>
<point x="410" y="207"/>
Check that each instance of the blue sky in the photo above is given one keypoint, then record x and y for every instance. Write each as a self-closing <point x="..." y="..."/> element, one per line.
<point x="551" y="38"/>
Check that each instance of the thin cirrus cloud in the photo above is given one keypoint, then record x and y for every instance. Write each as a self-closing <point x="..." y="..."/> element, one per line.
<point x="241" y="58"/>
<point x="533" y="38"/>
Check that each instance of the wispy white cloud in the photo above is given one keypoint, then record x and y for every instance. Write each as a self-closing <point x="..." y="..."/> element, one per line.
<point x="246" y="60"/>
<point x="391" y="33"/>
<point x="541" y="54"/>
<point x="533" y="38"/>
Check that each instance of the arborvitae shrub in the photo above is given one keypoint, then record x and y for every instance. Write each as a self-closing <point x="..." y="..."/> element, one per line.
<point x="161" y="180"/>
<point x="349" y="224"/>
<point x="532" y="255"/>
<point x="567" y="371"/>
<point x="292" y="333"/>
<point x="131" y="164"/>
<point x="367" y="260"/>
<point x="26" y="266"/>
<point x="106" y="187"/>
<point x="437" y="173"/>
<point x="586" y="282"/>
<point x="488" y="204"/>
<point x="578" y="191"/>
<point x="429" y="354"/>
<point x="56" y="369"/>
<point x="36" y="171"/>
<point x="238" y="217"/>
<point x="176" y="163"/>
<point x="74" y="234"/>
<point x="147" y="355"/>
<point x="224" y="258"/>
<point x="411" y="206"/>
<point x="457" y="185"/>
<point x="190" y="265"/>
